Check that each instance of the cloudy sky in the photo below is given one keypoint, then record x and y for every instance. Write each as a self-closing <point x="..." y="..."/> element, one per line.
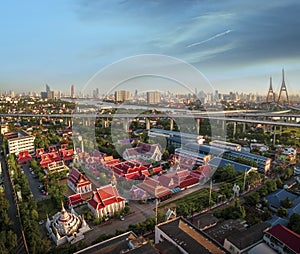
<point x="236" y="45"/>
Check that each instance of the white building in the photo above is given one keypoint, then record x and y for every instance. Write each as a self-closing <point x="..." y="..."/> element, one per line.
<point x="106" y="201"/>
<point x="19" y="141"/>
<point x="66" y="227"/>
<point x="78" y="182"/>
<point x="143" y="151"/>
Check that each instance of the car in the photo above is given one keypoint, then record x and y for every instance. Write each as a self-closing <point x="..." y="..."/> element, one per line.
<point x="32" y="172"/>
<point x="122" y="218"/>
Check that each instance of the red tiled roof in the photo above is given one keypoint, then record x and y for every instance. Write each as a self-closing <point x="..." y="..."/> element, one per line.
<point x="67" y="154"/>
<point x="105" y="196"/>
<point x="154" y="188"/>
<point x="286" y="236"/>
<point x="39" y="152"/>
<point x="75" y="199"/>
<point x="145" y="172"/>
<point x="157" y="170"/>
<point x="77" y="178"/>
<point x="24" y="156"/>
<point x="64" y="147"/>
<point x="52" y="149"/>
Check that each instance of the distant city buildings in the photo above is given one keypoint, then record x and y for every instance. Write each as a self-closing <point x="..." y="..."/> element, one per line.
<point x="153" y="97"/>
<point x="48" y="94"/>
<point x="122" y="95"/>
<point x="72" y="91"/>
<point x="96" y="93"/>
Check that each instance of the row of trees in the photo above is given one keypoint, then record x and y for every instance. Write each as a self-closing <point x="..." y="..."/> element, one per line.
<point x="28" y="210"/>
<point x="8" y="239"/>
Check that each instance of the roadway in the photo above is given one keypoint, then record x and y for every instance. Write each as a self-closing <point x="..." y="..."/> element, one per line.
<point x="186" y="115"/>
<point x="34" y="184"/>
<point x="138" y="213"/>
<point x="12" y="211"/>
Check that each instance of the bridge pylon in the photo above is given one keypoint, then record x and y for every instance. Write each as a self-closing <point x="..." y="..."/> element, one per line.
<point x="271" y="93"/>
<point x="282" y="90"/>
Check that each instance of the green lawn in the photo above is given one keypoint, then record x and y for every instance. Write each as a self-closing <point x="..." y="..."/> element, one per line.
<point x="192" y="197"/>
<point x="45" y="207"/>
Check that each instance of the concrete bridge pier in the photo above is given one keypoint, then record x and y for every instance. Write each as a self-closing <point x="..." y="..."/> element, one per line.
<point x="171" y="124"/>
<point x="234" y="129"/>
<point x="274" y="136"/>
<point x="148" y="126"/>
<point x="198" y="125"/>
<point x="126" y="124"/>
<point x="244" y="127"/>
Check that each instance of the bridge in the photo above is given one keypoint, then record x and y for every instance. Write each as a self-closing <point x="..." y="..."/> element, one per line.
<point x="197" y="116"/>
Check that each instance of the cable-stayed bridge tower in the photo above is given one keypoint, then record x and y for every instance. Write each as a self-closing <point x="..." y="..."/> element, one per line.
<point x="271" y="93"/>
<point x="283" y="89"/>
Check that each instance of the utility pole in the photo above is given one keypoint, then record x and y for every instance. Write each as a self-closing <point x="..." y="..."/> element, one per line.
<point x="210" y="190"/>
<point x="245" y="181"/>
<point x="156" y="207"/>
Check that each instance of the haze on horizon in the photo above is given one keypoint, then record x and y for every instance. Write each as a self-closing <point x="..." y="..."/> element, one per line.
<point x="237" y="45"/>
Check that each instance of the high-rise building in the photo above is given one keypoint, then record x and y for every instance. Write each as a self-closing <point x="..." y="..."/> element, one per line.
<point x="47" y="88"/>
<point x="48" y="94"/>
<point x="96" y="93"/>
<point x="122" y="95"/>
<point x="153" y="97"/>
<point x="72" y="91"/>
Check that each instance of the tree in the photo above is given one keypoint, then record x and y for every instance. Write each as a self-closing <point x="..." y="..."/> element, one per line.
<point x="226" y="189"/>
<point x="271" y="185"/>
<point x="288" y="173"/>
<point x="286" y="203"/>
<point x="263" y="191"/>
<point x="294" y="223"/>
<point x="281" y="212"/>
<point x="253" y="198"/>
<point x="234" y="211"/>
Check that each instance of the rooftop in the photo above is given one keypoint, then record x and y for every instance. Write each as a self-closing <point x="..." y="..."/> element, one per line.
<point x="125" y="242"/>
<point x="248" y="236"/>
<point x="220" y="162"/>
<point x="189" y="237"/>
<point x="286" y="236"/>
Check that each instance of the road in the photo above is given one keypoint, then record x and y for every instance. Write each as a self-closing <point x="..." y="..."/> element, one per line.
<point x="12" y="211"/>
<point x="33" y="184"/>
<point x="139" y="213"/>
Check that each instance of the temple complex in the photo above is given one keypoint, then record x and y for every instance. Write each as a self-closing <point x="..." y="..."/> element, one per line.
<point x="66" y="227"/>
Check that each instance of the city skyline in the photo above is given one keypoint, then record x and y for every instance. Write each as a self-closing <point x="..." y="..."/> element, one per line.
<point x="236" y="45"/>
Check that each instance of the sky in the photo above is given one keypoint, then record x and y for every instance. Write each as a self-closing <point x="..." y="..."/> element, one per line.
<point x="236" y="45"/>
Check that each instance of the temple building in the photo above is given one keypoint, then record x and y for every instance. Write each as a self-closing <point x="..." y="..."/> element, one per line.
<point x="66" y="227"/>
<point x="78" y="182"/>
<point x="143" y="151"/>
<point x="106" y="201"/>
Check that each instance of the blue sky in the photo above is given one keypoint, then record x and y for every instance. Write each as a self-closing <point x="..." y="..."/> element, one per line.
<point x="236" y="44"/>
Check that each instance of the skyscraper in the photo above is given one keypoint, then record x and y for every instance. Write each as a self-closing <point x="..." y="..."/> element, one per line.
<point x="153" y="97"/>
<point x="72" y="91"/>
<point x="47" y="88"/>
<point x="122" y="95"/>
